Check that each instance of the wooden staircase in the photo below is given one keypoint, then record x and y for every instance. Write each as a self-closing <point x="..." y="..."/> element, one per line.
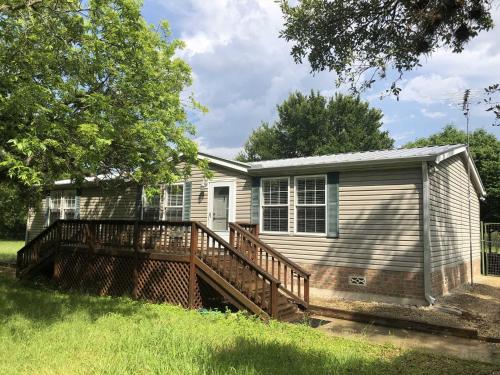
<point x="245" y="271"/>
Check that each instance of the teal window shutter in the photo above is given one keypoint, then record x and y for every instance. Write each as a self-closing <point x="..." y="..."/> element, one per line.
<point x="255" y="201"/>
<point x="77" y="204"/>
<point x="333" y="204"/>
<point x="186" y="210"/>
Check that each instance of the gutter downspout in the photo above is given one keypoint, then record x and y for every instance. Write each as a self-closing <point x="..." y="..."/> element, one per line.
<point x="427" y="235"/>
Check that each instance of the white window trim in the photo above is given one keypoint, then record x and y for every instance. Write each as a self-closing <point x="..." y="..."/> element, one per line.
<point x="63" y="204"/>
<point x="163" y="202"/>
<point x="295" y="204"/>
<point x="261" y="208"/>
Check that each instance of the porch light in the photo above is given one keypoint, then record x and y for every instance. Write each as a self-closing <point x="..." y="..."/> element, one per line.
<point x="204" y="184"/>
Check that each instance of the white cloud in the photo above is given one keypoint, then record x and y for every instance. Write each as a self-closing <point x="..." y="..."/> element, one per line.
<point x="428" y="89"/>
<point x="432" y="114"/>
<point x="223" y="152"/>
<point x="242" y="70"/>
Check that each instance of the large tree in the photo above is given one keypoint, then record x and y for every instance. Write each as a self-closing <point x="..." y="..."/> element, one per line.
<point x="485" y="150"/>
<point x="89" y="88"/>
<point x="363" y="40"/>
<point x="316" y="125"/>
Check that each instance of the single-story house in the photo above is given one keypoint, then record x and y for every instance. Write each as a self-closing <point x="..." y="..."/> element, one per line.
<point x="389" y="225"/>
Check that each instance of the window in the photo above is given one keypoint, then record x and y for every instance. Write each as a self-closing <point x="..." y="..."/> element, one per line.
<point x="151" y="207"/>
<point x="69" y="205"/>
<point x="310" y="204"/>
<point x="174" y="202"/>
<point x="62" y="205"/>
<point x="275" y="204"/>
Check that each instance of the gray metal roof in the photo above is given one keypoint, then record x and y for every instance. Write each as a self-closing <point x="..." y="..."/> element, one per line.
<point x="402" y="154"/>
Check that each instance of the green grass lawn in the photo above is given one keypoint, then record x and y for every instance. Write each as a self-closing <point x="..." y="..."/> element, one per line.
<point x="49" y="332"/>
<point x="8" y="249"/>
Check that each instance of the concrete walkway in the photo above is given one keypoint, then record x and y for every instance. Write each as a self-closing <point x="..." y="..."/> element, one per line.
<point x="444" y="345"/>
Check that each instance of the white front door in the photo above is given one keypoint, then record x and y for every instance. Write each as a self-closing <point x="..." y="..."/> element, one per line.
<point x="221" y="206"/>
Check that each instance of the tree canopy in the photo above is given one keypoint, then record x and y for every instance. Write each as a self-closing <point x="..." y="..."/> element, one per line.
<point x="362" y="40"/>
<point x="89" y="88"/>
<point x="316" y="125"/>
<point x="485" y="150"/>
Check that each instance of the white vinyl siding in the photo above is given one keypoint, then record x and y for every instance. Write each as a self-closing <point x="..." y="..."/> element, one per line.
<point x="449" y="214"/>
<point x="274" y="204"/>
<point x="310" y="204"/>
<point x="380" y="224"/>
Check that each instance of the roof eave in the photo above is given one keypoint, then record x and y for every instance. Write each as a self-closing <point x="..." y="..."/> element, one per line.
<point x="342" y="165"/>
<point x="231" y="164"/>
<point x="476" y="178"/>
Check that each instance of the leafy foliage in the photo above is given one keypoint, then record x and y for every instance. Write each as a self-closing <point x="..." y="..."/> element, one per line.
<point x="485" y="150"/>
<point x="362" y="39"/>
<point x="316" y="125"/>
<point x="13" y="210"/>
<point x="89" y="88"/>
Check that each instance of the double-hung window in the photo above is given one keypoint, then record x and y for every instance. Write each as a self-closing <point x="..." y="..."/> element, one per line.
<point x="274" y="204"/>
<point x="62" y="205"/>
<point x="174" y="202"/>
<point x="310" y="204"/>
<point x="69" y="200"/>
<point x="151" y="207"/>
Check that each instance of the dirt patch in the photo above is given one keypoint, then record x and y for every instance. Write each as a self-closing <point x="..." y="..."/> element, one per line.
<point x="480" y="304"/>
<point x="476" y="307"/>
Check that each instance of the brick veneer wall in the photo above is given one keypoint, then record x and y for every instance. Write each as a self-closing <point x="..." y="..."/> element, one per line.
<point x="390" y="283"/>
<point x="446" y="279"/>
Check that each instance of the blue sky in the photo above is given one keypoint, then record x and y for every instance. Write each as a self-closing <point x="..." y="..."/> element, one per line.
<point x="242" y="70"/>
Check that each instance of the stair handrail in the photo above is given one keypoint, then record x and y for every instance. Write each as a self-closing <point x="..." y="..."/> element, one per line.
<point x="271" y="250"/>
<point x="273" y="281"/>
<point x="21" y="253"/>
<point x="243" y="257"/>
<point x="235" y="227"/>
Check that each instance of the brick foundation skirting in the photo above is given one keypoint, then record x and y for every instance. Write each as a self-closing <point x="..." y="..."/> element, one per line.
<point x="390" y="283"/>
<point x="449" y="278"/>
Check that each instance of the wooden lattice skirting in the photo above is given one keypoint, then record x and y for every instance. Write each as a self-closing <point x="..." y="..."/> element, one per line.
<point x="153" y="277"/>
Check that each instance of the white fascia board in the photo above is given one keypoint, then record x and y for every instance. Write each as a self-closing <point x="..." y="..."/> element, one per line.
<point x="476" y="178"/>
<point x="341" y="165"/>
<point x="87" y="179"/>
<point x="449" y="154"/>
<point x="230" y="164"/>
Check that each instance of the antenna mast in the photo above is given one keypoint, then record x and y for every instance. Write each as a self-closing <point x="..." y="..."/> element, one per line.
<point x="466" y="111"/>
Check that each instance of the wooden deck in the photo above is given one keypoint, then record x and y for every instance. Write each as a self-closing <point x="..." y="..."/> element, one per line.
<point x="177" y="262"/>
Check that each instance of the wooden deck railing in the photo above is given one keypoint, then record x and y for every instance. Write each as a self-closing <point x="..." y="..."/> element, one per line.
<point x="294" y="279"/>
<point x="38" y="248"/>
<point x="249" y="227"/>
<point x="191" y="239"/>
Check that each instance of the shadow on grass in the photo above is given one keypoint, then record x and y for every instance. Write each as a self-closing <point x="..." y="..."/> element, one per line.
<point x="41" y="304"/>
<point x="252" y="356"/>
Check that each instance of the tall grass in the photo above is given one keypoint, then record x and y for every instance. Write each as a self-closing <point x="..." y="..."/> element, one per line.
<point x="47" y="332"/>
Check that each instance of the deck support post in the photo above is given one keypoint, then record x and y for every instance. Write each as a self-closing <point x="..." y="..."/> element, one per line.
<point x="306" y="290"/>
<point x="192" y="266"/>
<point x="135" y="277"/>
<point x="231" y="237"/>
<point x="274" y="300"/>
<point x="55" y="270"/>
